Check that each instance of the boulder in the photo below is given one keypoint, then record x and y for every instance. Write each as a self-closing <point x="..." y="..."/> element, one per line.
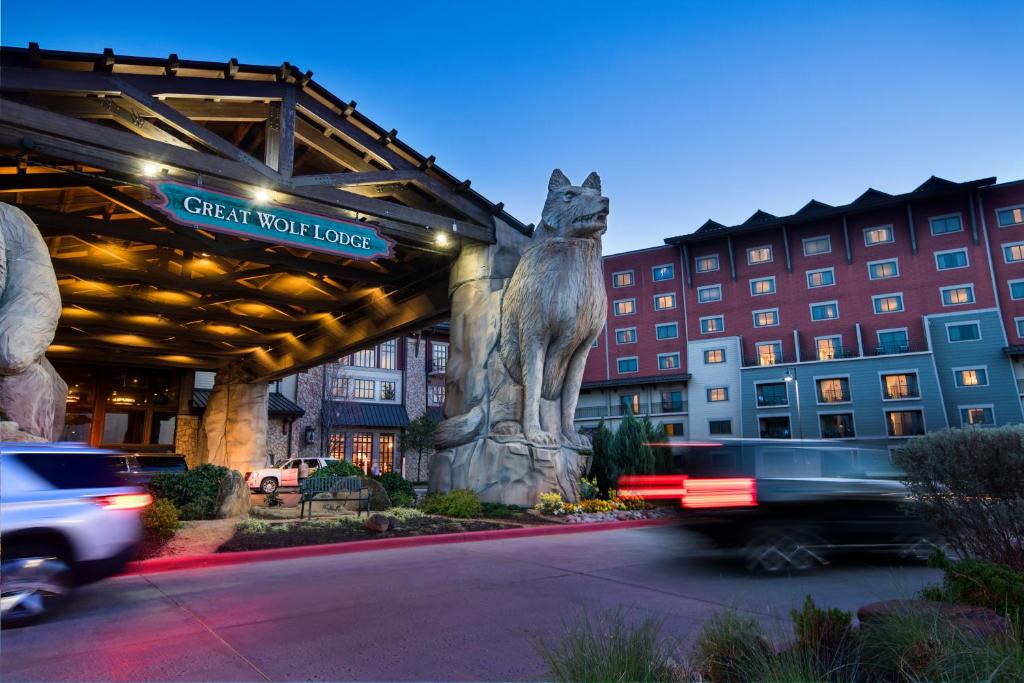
<point x="980" y="622"/>
<point x="379" y="523"/>
<point x="235" y="499"/>
<point x="11" y="431"/>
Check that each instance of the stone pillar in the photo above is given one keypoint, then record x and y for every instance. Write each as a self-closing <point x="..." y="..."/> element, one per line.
<point x="234" y="427"/>
<point x="309" y="395"/>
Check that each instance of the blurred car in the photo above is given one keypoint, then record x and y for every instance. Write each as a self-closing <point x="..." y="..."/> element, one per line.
<point x="66" y="519"/>
<point x="788" y="504"/>
<point x="269" y="479"/>
<point x="139" y="468"/>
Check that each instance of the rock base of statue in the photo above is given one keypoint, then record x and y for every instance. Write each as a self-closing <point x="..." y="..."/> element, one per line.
<point x="509" y="469"/>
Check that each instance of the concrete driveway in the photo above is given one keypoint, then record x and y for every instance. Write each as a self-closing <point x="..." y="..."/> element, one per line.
<point x="455" y="612"/>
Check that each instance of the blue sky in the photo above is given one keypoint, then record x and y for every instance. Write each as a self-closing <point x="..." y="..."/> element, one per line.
<point x="688" y="110"/>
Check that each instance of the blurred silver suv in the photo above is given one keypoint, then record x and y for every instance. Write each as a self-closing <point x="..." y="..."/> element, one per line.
<point x="66" y="518"/>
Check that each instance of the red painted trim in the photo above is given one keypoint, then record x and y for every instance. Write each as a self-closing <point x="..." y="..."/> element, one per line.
<point x="182" y="562"/>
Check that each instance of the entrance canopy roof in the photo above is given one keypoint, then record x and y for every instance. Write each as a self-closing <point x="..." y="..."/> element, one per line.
<point x="84" y="138"/>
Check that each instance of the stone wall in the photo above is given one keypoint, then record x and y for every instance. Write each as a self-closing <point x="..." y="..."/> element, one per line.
<point x="309" y="393"/>
<point x="415" y="377"/>
<point x="277" y="439"/>
<point x="186" y="438"/>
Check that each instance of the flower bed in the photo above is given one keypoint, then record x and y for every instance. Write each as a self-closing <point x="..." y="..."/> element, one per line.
<point x="597" y="509"/>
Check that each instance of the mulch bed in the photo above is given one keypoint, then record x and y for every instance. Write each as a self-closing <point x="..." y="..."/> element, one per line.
<point x="306" y="533"/>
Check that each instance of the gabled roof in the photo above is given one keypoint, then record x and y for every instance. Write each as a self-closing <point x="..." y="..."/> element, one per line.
<point x="933" y="183"/>
<point x="759" y="216"/>
<point x="870" y="196"/>
<point x="710" y="226"/>
<point x="813" y="208"/>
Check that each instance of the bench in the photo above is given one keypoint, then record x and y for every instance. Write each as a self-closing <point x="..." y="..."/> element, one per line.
<point x="312" y="487"/>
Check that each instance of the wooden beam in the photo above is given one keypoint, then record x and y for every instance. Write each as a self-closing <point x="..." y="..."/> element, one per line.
<point x="96" y="108"/>
<point x="184" y="314"/>
<point x="24" y="79"/>
<point x="310" y="135"/>
<point x="355" y="178"/>
<point x="286" y="162"/>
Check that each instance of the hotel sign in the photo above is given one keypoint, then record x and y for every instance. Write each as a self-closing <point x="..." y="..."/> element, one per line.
<point x="266" y="222"/>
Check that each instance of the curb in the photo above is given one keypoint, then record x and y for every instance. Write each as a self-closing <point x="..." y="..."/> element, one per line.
<point x="183" y="562"/>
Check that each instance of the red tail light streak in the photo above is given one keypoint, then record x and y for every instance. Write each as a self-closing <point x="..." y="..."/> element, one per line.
<point x="692" y="493"/>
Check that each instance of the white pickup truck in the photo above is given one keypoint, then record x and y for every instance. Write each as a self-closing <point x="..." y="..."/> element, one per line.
<point x="269" y="479"/>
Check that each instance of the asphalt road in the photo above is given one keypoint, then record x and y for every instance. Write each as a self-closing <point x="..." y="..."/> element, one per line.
<point x="470" y="611"/>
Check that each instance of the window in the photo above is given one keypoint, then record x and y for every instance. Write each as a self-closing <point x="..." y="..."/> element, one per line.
<point x="879" y="235"/>
<point x="626" y="335"/>
<point x="663" y="302"/>
<point x="769" y="353"/>
<point x="1013" y="215"/>
<point x="340" y="387"/>
<point x="625" y="307"/>
<point x="365" y="359"/>
<point x="893" y="341"/>
<point x="888" y="303"/>
<point x="970" y="377"/>
<point x="961" y="332"/>
<point x="824" y="277"/>
<point x="899" y="386"/>
<point x="713" y="356"/>
<point x="817" y="245"/>
<point x="627" y="365"/>
<point x="957" y="295"/>
<point x="720" y="427"/>
<point x="438" y="357"/>
<point x="662" y="273"/>
<point x="630" y="403"/>
<point x="712" y="324"/>
<point x="762" y="286"/>
<point x="674" y="429"/>
<point x="827" y="310"/>
<point x="1020" y="326"/>
<point x="706" y="264"/>
<point x="668" y="361"/>
<point x="828" y="348"/>
<point x="436" y="394"/>
<point x="666" y="331"/>
<point x="594" y="343"/>
<point x="774" y="427"/>
<point x="671" y="401"/>
<point x="1016" y="289"/>
<point x="386" y="453"/>
<point x="883" y="270"/>
<point x="833" y="390"/>
<point x="364" y="389"/>
<point x="757" y="255"/>
<point x="836" y="426"/>
<point x="622" y="279"/>
<point x="336" y="445"/>
<point x="708" y="294"/>
<point x="772" y="394"/>
<point x="362" y="450"/>
<point x="943" y="225"/>
<point x="388" y="391"/>
<point x="717" y="394"/>
<point x="951" y="260"/>
<point x="978" y="416"/>
<point x="904" y="422"/>
<point x="1013" y="252"/>
<point x="389" y="354"/>
<point x="766" y="318"/>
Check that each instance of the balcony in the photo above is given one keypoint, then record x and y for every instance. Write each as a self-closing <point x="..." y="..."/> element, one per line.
<point x="591" y="412"/>
<point x="893" y="349"/>
<point x="757" y="361"/>
<point x="619" y="410"/>
<point x="835" y="353"/>
<point x="673" y="406"/>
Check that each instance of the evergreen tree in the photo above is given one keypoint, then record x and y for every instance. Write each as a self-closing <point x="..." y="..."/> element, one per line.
<point x="655" y="434"/>
<point x="602" y="467"/>
<point x="631" y="453"/>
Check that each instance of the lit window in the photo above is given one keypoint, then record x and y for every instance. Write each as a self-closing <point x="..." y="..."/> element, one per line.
<point x="883" y="270"/>
<point x="766" y="318"/>
<point x="963" y="332"/>
<point x="362" y="451"/>
<point x="625" y="307"/>
<point x="769" y="353"/>
<point x="900" y="386"/>
<point x="662" y="273"/>
<point x="773" y="394"/>
<point x="978" y="416"/>
<point x="674" y="429"/>
<point x="706" y="264"/>
<point x="712" y="324"/>
<point x="707" y="294"/>
<point x="762" y="285"/>
<point x="828" y="348"/>
<point x="821" y="278"/>
<point x="436" y="394"/>
<point x="825" y="311"/>
<point x="336" y="445"/>
<point x="1013" y="253"/>
<point x="971" y="377"/>
<point x="888" y="303"/>
<point x="879" y="235"/>
<point x="817" y="245"/>
<point x="386" y="453"/>
<point x="666" y="331"/>
<point x="389" y="355"/>
<point x="720" y="427"/>
<point x="622" y="279"/>
<point x="957" y="296"/>
<point x="944" y="225"/>
<point x="668" y="361"/>
<point x="838" y="426"/>
<point x="664" y="302"/>
<point x="626" y="365"/>
<point x="1011" y="216"/>
<point x="630" y="403"/>
<point x="716" y="394"/>
<point x="757" y="255"/>
<point x="905" y="422"/>
<point x="365" y="359"/>
<point x="388" y="391"/>
<point x="713" y="356"/>
<point x="833" y="390"/>
<point x="363" y="389"/>
<point x="950" y="260"/>
<point x="1016" y="289"/>
<point x="625" y="336"/>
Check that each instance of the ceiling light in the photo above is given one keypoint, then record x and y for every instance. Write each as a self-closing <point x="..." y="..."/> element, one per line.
<point x="441" y="239"/>
<point x="149" y="169"/>
<point x="261" y="195"/>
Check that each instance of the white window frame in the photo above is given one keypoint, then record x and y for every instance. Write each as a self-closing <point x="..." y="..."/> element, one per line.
<point x="827" y="238"/>
<point x="654" y="301"/>
<point x="849" y="387"/>
<point x="932" y="219"/>
<point x="771" y="381"/>
<point x="679" y="361"/>
<point x="904" y="330"/>
<point x="1016" y="323"/>
<point x="961" y="408"/>
<point x="664" y="279"/>
<point x="810" y="307"/>
<point x="708" y="390"/>
<point x="876" y="297"/>
<point x="885" y="420"/>
<point x="1005" y="245"/>
<point x="897" y="371"/>
<point x="827" y="336"/>
<point x="894" y="259"/>
<point x="704" y="356"/>
<point x="615" y="307"/>
<point x="630" y="372"/>
<point x="632" y="278"/>
<point x="850" y="412"/>
<point x="707" y="288"/>
<point x="1010" y="284"/>
<point x="966" y="285"/>
<point x="1008" y="208"/>
<point x="956" y="372"/>
<point x="892" y="235"/>
<point x="808" y="273"/>
<point x="625" y="329"/>
<point x="943" y="252"/>
<point x="700" y="321"/>
<point x="697" y="260"/>
<point x="658" y="326"/>
<point x="958" y="324"/>
<point x="757" y="352"/>
<point x="766" y="310"/>
<point x="763" y="279"/>
<point x="770" y="259"/>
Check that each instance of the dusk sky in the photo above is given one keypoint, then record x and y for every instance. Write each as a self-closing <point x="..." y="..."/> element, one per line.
<point x="687" y="110"/>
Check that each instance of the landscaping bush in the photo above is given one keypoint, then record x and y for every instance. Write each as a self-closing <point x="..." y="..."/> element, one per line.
<point x="197" y="493"/>
<point x="602" y="464"/>
<point x="631" y="454"/>
<point x="976" y="582"/>
<point x="397" y="485"/>
<point x="402" y="500"/>
<point x="273" y="499"/>
<point x="339" y="468"/>
<point x="589" y="488"/>
<point x="970" y="484"/>
<point x="457" y="503"/>
<point x="160" y="521"/>
<point x="497" y="510"/>
<point x="550" y="504"/>
<point x="729" y="648"/>
<point x="826" y="637"/>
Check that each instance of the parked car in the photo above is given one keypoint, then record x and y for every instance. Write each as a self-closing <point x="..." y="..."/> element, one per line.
<point x="66" y="519"/>
<point x="286" y="473"/>
<point x="139" y="468"/>
<point x="787" y="504"/>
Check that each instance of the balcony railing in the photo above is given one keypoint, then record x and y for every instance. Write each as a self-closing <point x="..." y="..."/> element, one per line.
<point x="893" y="349"/>
<point x="827" y="354"/>
<point x="619" y="410"/>
<point x="768" y="361"/>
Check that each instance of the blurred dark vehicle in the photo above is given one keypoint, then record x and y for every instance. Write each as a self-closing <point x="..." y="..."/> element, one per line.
<point x="139" y="468"/>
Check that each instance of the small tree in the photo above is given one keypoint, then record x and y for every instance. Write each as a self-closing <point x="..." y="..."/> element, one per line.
<point x="655" y="434"/>
<point x="602" y="466"/>
<point x="631" y="453"/>
<point x="418" y="439"/>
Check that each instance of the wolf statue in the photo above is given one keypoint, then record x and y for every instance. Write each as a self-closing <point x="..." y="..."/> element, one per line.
<point x="525" y="313"/>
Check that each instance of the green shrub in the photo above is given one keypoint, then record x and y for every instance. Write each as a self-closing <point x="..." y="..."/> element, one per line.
<point x="825" y="636"/>
<point x="196" y="493"/>
<point x="976" y="582"/>
<point x="970" y="484"/>
<point x="395" y="483"/>
<point x="160" y="520"/>
<point x="457" y="503"/>
<point x="630" y="451"/>
<point x="589" y="489"/>
<point x="498" y="510"/>
<point x="403" y="513"/>
<point x="602" y="465"/>
<point x="273" y="499"/>
<point x="608" y="648"/>
<point x="400" y="499"/>
<point x="731" y="648"/>
<point x="339" y="468"/>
